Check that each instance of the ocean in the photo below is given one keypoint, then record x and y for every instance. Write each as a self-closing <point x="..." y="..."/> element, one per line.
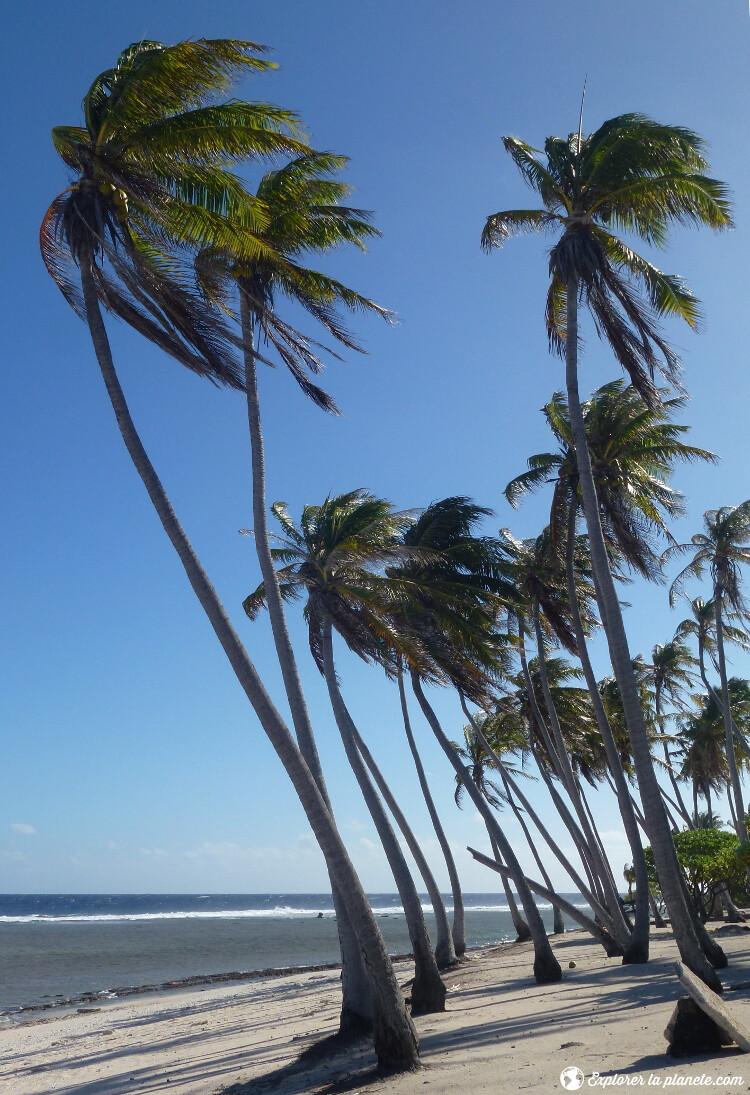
<point x="64" y="949"/>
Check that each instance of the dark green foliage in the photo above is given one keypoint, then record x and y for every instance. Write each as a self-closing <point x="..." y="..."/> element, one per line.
<point x="709" y="858"/>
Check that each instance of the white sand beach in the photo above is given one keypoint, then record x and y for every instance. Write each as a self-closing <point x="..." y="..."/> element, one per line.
<point x="500" y="1033"/>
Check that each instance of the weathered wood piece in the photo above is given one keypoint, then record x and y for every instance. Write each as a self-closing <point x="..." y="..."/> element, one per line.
<point x="713" y="1006"/>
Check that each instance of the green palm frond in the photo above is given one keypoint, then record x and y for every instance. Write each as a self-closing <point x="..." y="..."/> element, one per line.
<point x="635" y="175"/>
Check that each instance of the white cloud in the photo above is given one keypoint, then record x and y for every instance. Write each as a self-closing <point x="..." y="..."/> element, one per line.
<point x="22" y="827"/>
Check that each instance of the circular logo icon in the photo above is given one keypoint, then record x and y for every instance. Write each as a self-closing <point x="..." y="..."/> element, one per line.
<point x="571" y="1078"/>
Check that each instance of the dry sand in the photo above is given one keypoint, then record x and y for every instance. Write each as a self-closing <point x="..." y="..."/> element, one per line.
<point x="501" y="1033"/>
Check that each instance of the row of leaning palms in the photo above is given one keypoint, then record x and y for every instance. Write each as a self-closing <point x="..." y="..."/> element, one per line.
<point x="342" y="557"/>
<point x="158" y="229"/>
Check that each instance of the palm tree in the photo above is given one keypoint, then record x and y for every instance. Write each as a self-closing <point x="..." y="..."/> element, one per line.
<point x="151" y="188"/>
<point x="445" y="607"/>
<point x="632" y="449"/>
<point x="722" y="548"/>
<point x="473" y="752"/>
<point x="672" y="667"/>
<point x="639" y="175"/>
<point x="704" y="761"/>
<point x="442" y="536"/>
<point x="301" y="203"/>
<point x="541" y="585"/>
<point x="331" y="558"/>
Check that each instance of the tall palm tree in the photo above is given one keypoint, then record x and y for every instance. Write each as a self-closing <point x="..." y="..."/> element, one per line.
<point x="722" y="549"/>
<point x="632" y="449"/>
<point x="673" y="669"/>
<point x="442" y="537"/>
<point x="445" y="606"/>
<point x="474" y="754"/>
<point x="639" y="175"/>
<point x="151" y="188"/>
<point x="332" y="558"/>
<point x="540" y="582"/>
<point x="701" y="625"/>
<point x="704" y="761"/>
<point x="303" y="213"/>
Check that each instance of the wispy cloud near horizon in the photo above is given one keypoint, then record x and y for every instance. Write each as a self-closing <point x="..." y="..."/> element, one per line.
<point x="22" y="827"/>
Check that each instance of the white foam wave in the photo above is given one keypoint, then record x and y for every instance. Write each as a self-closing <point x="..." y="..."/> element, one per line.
<point x="279" y="912"/>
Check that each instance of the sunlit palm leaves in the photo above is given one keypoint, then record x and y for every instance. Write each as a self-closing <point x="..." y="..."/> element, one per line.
<point x="153" y="183"/>
<point x="631" y="175"/>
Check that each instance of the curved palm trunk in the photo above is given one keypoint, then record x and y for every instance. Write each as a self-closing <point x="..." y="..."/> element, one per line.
<point x="659" y="921"/>
<point x="546" y="967"/>
<point x="558" y="923"/>
<point x="583" y="889"/>
<point x="428" y="990"/>
<point x="538" y="721"/>
<point x="459" y="928"/>
<point x="637" y="947"/>
<point x="610" y="944"/>
<point x="712" y="692"/>
<point x="734" y="775"/>
<point x="523" y="933"/>
<point x="356" y="1005"/>
<point x="680" y="805"/>
<point x="394" y="1035"/>
<point x="599" y="864"/>
<point x="665" y="856"/>
<point x="445" y="955"/>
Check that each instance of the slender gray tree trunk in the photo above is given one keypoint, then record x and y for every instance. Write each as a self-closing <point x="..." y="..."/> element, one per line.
<point x="523" y="934"/>
<point x="599" y="864"/>
<point x="583" y="889"/>
<point x="445" y="955"/>
<point x="558" y="922"/>
<point x="665" y="856"/>
<point x="637" y="947"/>
<point x="459" y="927"/>
<point x="537" y="721"/>
<point x="546" y="967"/>
<point x="395" y="1039"/>
<point x="734" y="775"/>
<point x="428" y="990"/>
<point x="356" y="1005"/>
<point x="610" y="944"/>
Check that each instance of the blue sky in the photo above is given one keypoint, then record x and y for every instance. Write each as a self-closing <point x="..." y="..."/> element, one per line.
<point x="129" y="749"/>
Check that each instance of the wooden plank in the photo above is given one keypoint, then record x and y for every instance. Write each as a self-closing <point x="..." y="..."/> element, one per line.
<point x="713" y="1005"/>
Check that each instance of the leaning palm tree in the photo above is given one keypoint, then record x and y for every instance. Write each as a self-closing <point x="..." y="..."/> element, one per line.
<point x="672" y="666"/>
<point x="636" y="174"/>
<point x="632" y="448"/>
<point x="331" y="559"/>
<point x="704" y="758"/>
<point x="473" y="754"/>
<point x="722" y="549"/>
<point x="151" y="188"/>
<point x="442" y="537"/>
<point x="445" y="607"/>
<point x="303" y="213"/>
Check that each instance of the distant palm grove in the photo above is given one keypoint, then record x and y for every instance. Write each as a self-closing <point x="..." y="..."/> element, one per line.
<point x="158" y="229"/>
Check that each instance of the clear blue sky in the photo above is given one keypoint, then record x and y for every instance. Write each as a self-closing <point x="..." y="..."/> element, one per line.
<point x="128" y="748"/>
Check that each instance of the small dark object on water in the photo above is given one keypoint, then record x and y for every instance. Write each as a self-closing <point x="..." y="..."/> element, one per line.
<point x="320" y="916"/>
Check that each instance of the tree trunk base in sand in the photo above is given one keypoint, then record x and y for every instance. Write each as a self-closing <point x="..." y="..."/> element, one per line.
<point x="690" y="1031"/>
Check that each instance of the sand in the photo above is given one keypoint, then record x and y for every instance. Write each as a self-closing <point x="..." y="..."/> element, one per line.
<point x="501" y="1033"/>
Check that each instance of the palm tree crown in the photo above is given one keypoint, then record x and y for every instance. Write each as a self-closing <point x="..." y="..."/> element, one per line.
<point x="632" y="449"/>
<point x="152" y="185"/>
<point x="301" y="203"/>
<point x="632" y="174"/>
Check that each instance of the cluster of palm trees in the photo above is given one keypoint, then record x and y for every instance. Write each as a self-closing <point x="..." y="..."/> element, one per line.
<point x="158" y="229"/>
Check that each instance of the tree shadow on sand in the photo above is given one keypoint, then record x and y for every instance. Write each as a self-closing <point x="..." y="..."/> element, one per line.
<point x="332" y="1066"/>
